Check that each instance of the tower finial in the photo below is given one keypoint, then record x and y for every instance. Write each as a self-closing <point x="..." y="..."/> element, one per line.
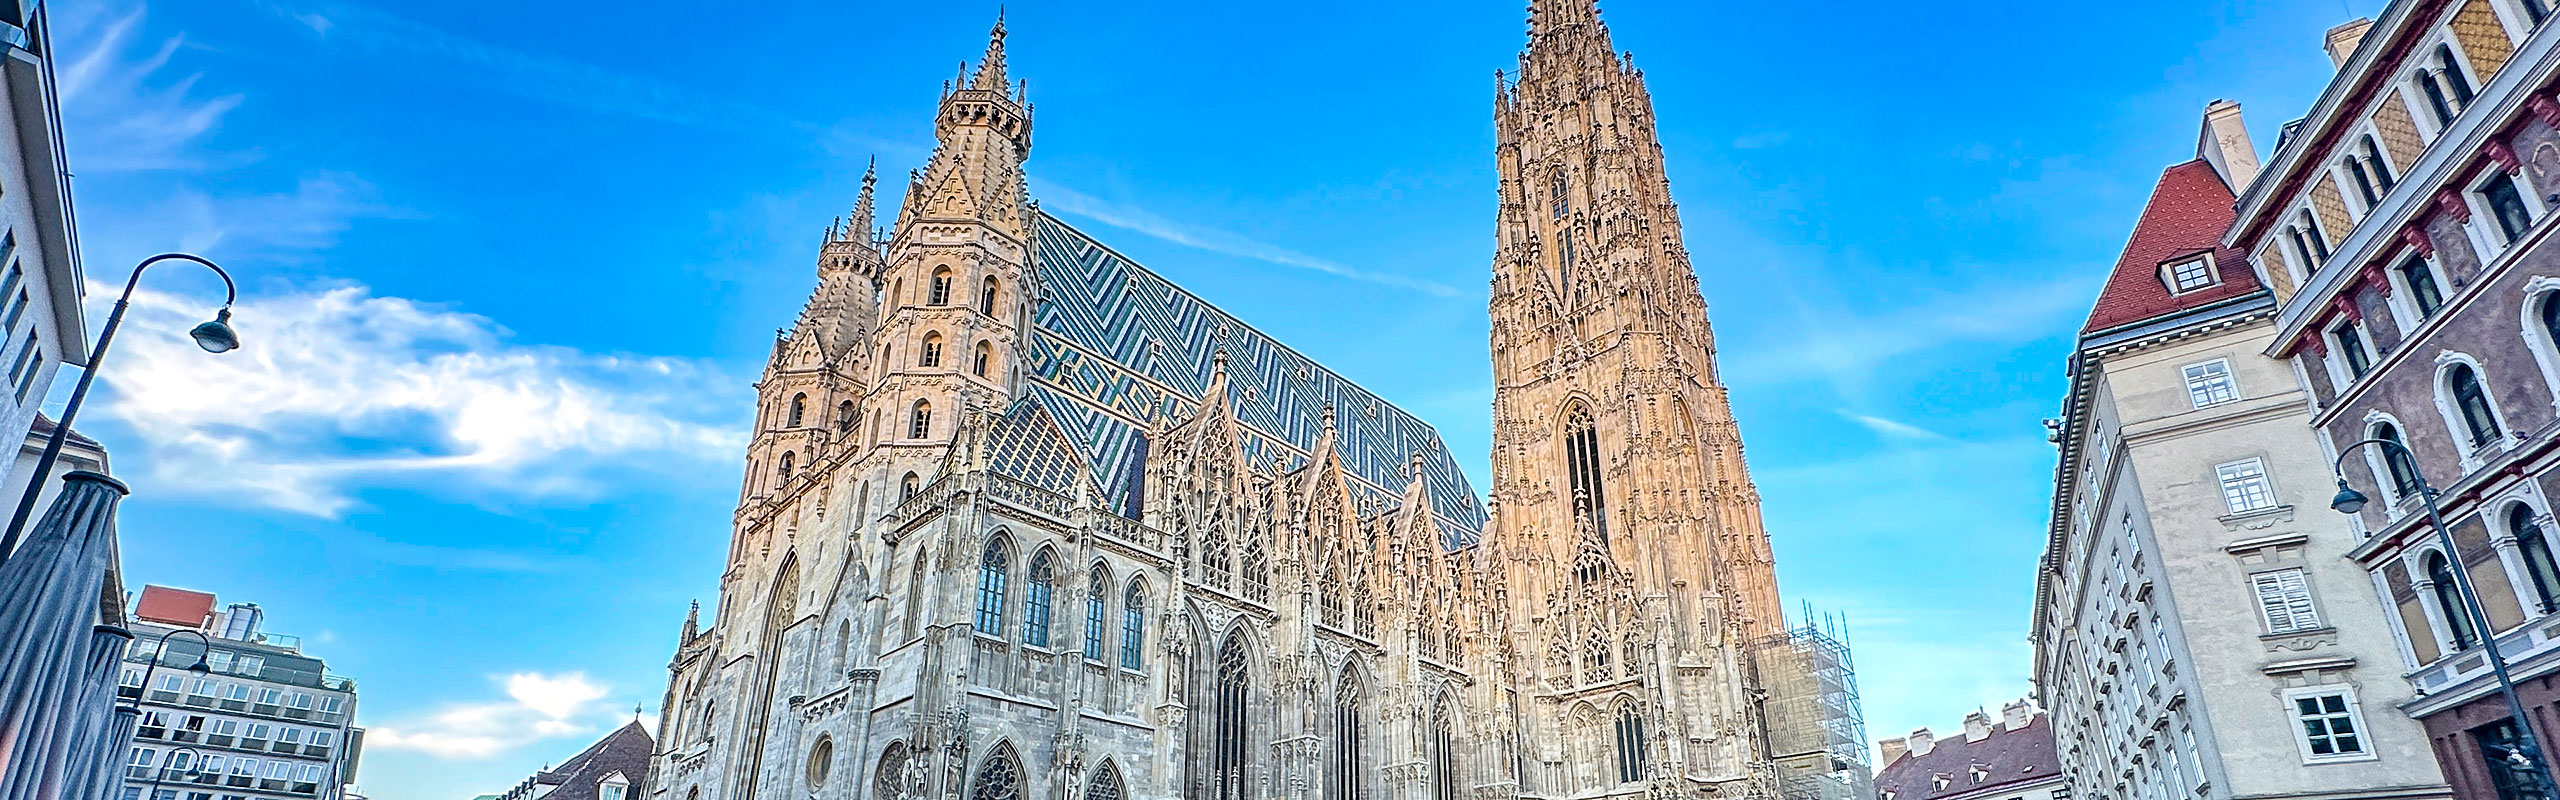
<point x="991" y="68"/>
<point x="862" y="222"/>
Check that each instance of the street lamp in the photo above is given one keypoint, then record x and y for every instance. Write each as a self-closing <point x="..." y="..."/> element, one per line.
<point x="162" y="773"/>
<point x="2525" y="760"/>
<point x="215" y="336"/>
<point x="200" y="668"/>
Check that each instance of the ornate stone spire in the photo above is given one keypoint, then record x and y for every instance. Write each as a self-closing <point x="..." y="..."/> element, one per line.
<point x="991" y="68"/>
<point x="862" y="225"/>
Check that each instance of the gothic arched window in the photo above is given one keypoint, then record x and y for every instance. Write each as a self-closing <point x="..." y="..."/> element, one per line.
<point x="1105" y="784"/>
<point x="890" y="782"/>
<point x="799" y="409"/>
<point x="930" y="355"/>
<point x="1133" y="626"/>
<point x="915" y="597"/>
<point x="2536" y="551"/>
<point x="784" y="468"/>
<point x="2457" y="615"/>
<point x="1329" y="595"/>
<point x="992" y="573"/>
<point x="2395" y="460"/>
<point x="1097" y="610"/>
<point x="1216" y="560"/>
<point x="1561" y="195"/>
<point x="2453" y="77"/>
<point x="844" y="416"/>
<point x="2471" y="402"/>
<point x="1630" y="744"/>
<point x="940" y="293"/>
<point x="1344" y="778"/>
<point x="920" y="421"/>
<point x="1364" y="612"/>
<point x="1582" y="468"/>
<point x="1444" y="772"/>
<point x="1595" y="658"/>
<point x="998" y="779"/>
<point x="909" y="486"/>
<point x="1227" y="764"/>
<point x="1257" y="570"/>
<point x="1036" y="589"/>
<point x="987" y="298"/>
<point x="979" y="361"/>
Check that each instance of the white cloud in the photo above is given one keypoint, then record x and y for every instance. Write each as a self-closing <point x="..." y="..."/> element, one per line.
<point x="122" y="114"/>
<point x="1893" y="428"/>
<point x="1844" y="348"/>
<point x="1138" y="220"/>
<point x="340" y="389"/>
<point x="537" y="707"/>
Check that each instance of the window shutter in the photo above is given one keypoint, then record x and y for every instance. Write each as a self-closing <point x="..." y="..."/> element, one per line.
<point x="2285" y="600"/>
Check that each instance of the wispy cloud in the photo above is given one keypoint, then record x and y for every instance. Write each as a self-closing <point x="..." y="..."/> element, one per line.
<point x="1138" y="220"/>
<point x="537" y="707"/>
<point x="1892" y="428"/>
<point x="126" y="114"/>
<point x="340" y="389"/>
<point x="1832" y="343"/>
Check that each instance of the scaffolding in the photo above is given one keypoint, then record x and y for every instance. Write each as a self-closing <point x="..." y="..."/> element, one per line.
<point x="1809" y="715"/>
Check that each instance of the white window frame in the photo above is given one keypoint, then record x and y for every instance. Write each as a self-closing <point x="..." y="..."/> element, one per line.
<point x="2230" y="383"/>
<point x="2223" y="479"/>
<point x="2342" y="376"/>
<point x="251" y="665"/>
<point x="2169" y="274"/>
<point x="2442" y="385"/>
<point x="2355" y="716"/>
<point x="2484" y="230"/>
<point x="2298" y="603"/>
<point x="2422" y="58"/>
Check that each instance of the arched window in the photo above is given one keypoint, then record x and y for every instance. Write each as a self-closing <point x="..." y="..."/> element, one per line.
<point x="783" y="467"/>
<point x="1036" y="589"/>
<point x="1561" y="195"/>
<point x="2309" y="231"/>
<point x="1133" y="626"/>
<point x="1105" y="784"/>
<point x="1257" y="570"/>
<point x="987" y="298"/>
<point x="1343" y="779"/>
<point x="2365" y="185"/>
<point x="2551" y="316"/>
<point x="1364" y="611"/>
<point x="978" y="362"/>
<point x="1582" y="468"/>
<point x="890" y="783"/>
<point x="2457" y="615"/>
<point x="1227" y="765"/>
<point x="1329" y="595"/>
<point x="991" y="579"/>
<point x="930" y="354"/>
<point x="1595" y="658"/>
<point x="844" y="416"/>
<point x="1444" y="772"/>
<point x="2471" y="403"/>
<point x="915" y="597"/>
<point x="2536" y="551"/>
<point x="2396" y="461"/>
<point x="908" y="486"/>
<point x="710" y="712"/>
<point x="2453" y="77"/>
<point x="998" y="779"/>
<point x="2373" y="161"/>
<point x="1217" y="561"/>
<point x="940" y="293"/>
<point x="799" y="409"/>
<point x="920" y="422"/>
<point x="1631" y="750"/>
<point x="1097" y="610"/>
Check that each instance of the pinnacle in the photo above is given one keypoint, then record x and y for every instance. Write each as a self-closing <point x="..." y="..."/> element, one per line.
<point x="991" y="75"/>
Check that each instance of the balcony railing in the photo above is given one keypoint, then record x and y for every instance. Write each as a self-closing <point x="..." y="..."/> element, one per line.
<point x="2529" y="641"/>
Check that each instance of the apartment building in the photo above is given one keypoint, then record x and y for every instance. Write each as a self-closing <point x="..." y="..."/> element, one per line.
<point x="2013" y="759"/>
<point x="261" y="720"/>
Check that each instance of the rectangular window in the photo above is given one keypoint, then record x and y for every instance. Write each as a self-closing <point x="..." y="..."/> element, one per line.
<point x="2506" y="205"/>
<point x="330" y="705"/>
<point x="301" y="700"/>
<point x="2244" y="486"/>
<point x="289" y="735"/>
<point x="131" y="677"/>
<point x="173" y="683"/>
<point x="219" y="660"/>
<point x="2190" y="275"/>
<point x="250" y="665"/>
<point x="226" y="727"/>
<point x="144" y="756"/>
<point x="213" y="764"/>
<point x="279" y="770"/>
<point x="27" y="380"/>
<point x="2209" y="383"/>
<point x="244" y="767"/>
<point x="238" y="693"/>
<point x="258" y="731"/>
<point x="2328" y="729"/>
<point x="269" y="697"/>
<point x="323" y="738"/>
<point x="202" y="688"/>
<point x="2351" y="349"/>
<point x="310" y="773"/>
<point x="2284" y="601"/>
<point x="2423" y="291"/>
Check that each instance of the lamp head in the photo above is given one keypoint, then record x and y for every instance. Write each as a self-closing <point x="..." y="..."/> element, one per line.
<point x="2349" y="500"/>
<point x="200" y="668"/>
<point x="216" y="335"/>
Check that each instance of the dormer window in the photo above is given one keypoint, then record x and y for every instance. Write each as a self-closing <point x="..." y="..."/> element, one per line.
<point x="2191" y="274"/>
<point x="1939" y="781"/>
<point x="1980" y="772"/>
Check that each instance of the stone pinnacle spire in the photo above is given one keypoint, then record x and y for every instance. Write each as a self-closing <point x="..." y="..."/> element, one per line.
<point x="862" y="223"/>
<point x="991" y="68"/>
<point x="1552" y="17"/>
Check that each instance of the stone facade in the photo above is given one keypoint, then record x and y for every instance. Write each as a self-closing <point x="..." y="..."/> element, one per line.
<point x="1021" y="519"/>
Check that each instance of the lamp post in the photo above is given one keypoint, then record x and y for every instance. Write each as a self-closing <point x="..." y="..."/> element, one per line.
<point x="2525" y="760"/>
<point x="215" y="336"/>
<point x="200" y="668"/>
<point x="162" y="773"/>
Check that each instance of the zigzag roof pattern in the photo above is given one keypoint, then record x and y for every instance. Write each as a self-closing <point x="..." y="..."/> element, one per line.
<point x="1116" y="347"/>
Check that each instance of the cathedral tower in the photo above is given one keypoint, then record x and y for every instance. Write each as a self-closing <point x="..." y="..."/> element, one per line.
<point x="1630" y="524"/>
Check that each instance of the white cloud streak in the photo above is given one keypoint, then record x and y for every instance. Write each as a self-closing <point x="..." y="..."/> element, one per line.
<point x="1845" y="348"/>
<point x="537" y="707"/>
<point x="1892" y="428"/>
<point x="340" y="389"/>
<point x="125" y="115"/>
<point x="1138" y="220"/>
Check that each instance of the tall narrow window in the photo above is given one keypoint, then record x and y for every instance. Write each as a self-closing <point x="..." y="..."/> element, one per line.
<point x="2536" y="10"/>
<point x="987" y="298"/>
<point x="2351" y="352"/>
<point x="2472" y="402"/>
<point x="1097" y="602"/>
<point x="2506" y="204"/>
<point x="930" y="355"/>
<point x="2319" y="247"/>
<point x="1561" y="196"/>
<point x="2453" y="77"/>
<point x="844" y="416"/>
<point x="1596" y="659"/>
<point x="1344" y="778"/>
<point x="1133" y="627"/>
<point x="2365" y="187"/>
<point x="2284" y="601"/>
<point x="1257" y="570"/>
<point x="920" y="422"/>
<point x="2244" y="486"/>
<point x="785" y="467"/>
<point x="1217" y="560"/>
<point x="799" y="411"/>
<point x="2431" y="84"/>
<point x="2373" y="161"/>
<point x="909" y="486"/>
<point x="1444" y="772"/>
<point x="1036" y="589"/>
<point x="2551" y="316"/>
<point x="2457" y="615"/>
<point x="2396" y="460"/>
<point x="1329" y="595"/>
<point x="915" y="597"/>
<point x="1582" y="468"/>
<point x="979" y="361"/>
<point x="991" y="580"/>
<point x="939" y="291"/>
<point x="1630" y="745"/>
<point x="2423" y="291"/>
<point x="2536" y="551"/>
<point x="1364" y="610"/>
<point x="1227" y="764"/>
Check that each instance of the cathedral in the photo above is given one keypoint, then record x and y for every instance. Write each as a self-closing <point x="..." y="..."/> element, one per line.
<point x="1022" y="519"/>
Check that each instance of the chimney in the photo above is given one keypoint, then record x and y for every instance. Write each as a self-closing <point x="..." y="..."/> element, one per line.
<point x="2344" y="38"/>
<point x="2224" y="143"/>
<point x="1890" y="750"/>
<point x="1920" y="742"/>
<point x="1977" y="726"/>
<point x="2016" y="715"/>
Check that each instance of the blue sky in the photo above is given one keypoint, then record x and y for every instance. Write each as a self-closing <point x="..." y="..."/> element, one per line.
<point x="509" y="267"/>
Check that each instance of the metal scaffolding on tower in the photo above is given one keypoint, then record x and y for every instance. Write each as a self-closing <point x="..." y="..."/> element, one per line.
<point x="1809" y="714"/>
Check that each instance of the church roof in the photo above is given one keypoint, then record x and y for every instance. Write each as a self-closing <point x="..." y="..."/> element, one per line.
<point x="2187" y="214"/>
<point x="1115" y="346"/>
<point x="1027" y="443"/>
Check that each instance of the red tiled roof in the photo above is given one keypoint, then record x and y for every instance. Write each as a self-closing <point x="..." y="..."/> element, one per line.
<point x="2188" y="213"/>
<point x="2007" y="757"/>
<point x="174" y="606"/>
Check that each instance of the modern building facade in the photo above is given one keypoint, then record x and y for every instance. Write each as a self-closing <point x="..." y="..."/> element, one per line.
<point x="1023" y="519"/>
<point x="265" y="721"/>
<point x="2405" y="227"/>
<point x="2013" y="760"/>
<point x="2198" y="630"/>
<point x="616" y="767"/>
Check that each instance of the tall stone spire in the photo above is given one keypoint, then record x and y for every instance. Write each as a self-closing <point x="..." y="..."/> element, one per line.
<point x="861" y="229"/>
<point x="991" y="67"/>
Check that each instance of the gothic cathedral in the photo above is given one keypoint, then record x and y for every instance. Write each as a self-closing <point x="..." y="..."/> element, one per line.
<point x="1023" y="520"/>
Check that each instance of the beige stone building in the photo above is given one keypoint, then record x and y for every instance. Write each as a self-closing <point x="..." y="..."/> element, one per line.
<point x="1022" y="519"/>
<point x="2199" y="631"/>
